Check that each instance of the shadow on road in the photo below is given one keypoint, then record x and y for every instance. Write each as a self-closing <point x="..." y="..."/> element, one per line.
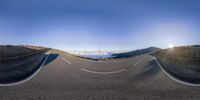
<point x="51" y="58"/>
<point x="149" y="70"/>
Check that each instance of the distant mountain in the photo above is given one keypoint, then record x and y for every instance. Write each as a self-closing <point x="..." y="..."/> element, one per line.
<point x="135" y="53"/>
<point x="195" y="45"/>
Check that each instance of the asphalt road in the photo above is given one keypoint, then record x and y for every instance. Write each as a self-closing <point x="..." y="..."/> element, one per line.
<point x="66" y="77"/>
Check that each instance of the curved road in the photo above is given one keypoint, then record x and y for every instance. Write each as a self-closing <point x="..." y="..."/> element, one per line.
<point x="72" y="78"/>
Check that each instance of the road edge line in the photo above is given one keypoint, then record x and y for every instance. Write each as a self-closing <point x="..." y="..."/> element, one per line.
<point x="29" y="78"/>
<point x="66" y="60"/>
<point x="174" y="78"/>
<point x="138" y="62"/>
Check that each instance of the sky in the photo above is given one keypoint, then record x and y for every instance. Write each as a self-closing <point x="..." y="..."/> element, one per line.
<point x="105" y="24"/>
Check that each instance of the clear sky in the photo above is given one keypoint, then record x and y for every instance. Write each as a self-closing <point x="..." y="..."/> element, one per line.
<point x="109" y="24"/>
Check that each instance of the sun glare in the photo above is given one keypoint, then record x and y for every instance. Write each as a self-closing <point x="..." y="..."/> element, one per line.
<point x="171" y="46"/>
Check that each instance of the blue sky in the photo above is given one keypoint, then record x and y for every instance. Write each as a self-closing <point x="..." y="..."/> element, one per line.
<point x="109" y="24"/>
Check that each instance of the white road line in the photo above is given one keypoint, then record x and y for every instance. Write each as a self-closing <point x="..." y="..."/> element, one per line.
<point x="29" y="78"/>
<point x="138" y="62"/>
<point x="89" y="71"/>
<point x="66" y="60"/>
<point x="174" y="78"/>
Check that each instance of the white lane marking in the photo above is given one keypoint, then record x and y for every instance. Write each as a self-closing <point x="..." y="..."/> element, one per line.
<point x="89" y="71"/>
<point x="174" y="78"/>
<point x="29" y="78"/>
<point x="138" y="62"/>
<point x="66" y="60"/>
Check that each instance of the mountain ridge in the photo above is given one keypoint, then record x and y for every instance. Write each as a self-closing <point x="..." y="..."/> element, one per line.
<point x="135" y="52"/>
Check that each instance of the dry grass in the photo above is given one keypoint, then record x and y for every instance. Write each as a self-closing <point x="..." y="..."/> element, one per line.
<point x="185" y="56"/>
<point x="18" y="69"/>
<point x="8" y="51"/>
<point x="182" y="62"/>
<point x="19" y="62"/>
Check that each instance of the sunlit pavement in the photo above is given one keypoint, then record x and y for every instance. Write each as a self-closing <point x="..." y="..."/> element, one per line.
<point x="71" y="78"/>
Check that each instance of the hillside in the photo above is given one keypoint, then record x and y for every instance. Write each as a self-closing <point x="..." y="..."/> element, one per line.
<point x="8" y="51"/>
<point x="181" y="62"/>
<point x="135" y="53"/>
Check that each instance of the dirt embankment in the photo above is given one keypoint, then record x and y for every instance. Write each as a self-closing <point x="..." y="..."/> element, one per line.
<point x="11" y="51"/>
<point x="20" y="62"/>
<point x="181" y="62"/>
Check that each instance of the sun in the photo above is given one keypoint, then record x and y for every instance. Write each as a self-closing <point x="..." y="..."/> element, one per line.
<point x="171" y="46"/>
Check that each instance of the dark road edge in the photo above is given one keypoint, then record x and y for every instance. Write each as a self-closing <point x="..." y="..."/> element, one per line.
<point x="30" y="77"/>
<point x="174" y="78"/>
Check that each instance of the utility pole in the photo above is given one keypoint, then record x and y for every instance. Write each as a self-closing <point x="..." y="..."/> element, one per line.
<point x="99" y="51"/>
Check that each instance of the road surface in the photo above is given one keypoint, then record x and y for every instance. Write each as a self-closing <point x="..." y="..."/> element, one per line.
<point x="71" y="78"/>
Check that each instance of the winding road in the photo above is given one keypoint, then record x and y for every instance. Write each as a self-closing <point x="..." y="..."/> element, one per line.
<point x="72" y="78"/>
